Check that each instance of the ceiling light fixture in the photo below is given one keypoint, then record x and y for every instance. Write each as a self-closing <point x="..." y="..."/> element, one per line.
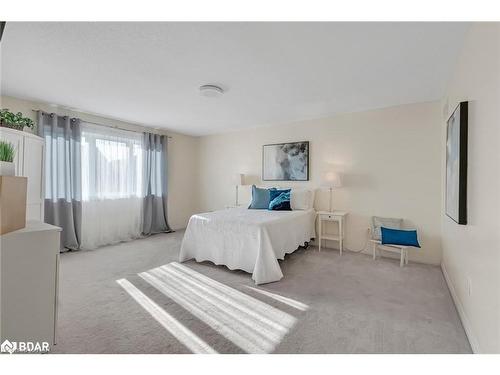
<point x="211" y="91"/>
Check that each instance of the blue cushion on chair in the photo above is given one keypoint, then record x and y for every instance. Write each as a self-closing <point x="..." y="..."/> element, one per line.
<point x="280" y="200"/>
<point x="399" y="237"/>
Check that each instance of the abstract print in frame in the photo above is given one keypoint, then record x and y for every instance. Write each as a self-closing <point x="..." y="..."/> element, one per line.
<point x="285" y="161"/>
<point x="456" y="164"/>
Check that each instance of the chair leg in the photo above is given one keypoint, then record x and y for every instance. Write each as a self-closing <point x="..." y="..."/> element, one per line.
<point x="406" y="256"/>
<point x="374" y="251"/>
<point x="402" y="259"/>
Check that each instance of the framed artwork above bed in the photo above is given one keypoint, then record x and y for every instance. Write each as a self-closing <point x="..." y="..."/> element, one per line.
<point x="285" y="161"/>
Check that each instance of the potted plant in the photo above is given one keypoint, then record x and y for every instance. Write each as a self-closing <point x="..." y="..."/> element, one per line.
<point x="15" y="120"/>
<point x="7" y="153"/>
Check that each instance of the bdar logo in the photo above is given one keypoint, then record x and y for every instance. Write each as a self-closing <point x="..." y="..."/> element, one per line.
<point x="8" y="347"/>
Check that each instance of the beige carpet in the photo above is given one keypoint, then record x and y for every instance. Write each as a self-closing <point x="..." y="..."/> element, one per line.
<point x="325" y="304"/>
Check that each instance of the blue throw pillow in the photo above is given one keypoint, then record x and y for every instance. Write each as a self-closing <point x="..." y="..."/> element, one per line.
<point x="260" y="198"/>
<point x="281" y="202"/>
<point x="399" y="237"/>
<point x="274" y="193"/>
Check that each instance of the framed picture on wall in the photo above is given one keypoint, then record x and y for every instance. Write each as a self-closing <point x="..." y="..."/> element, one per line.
<point x="285" y="161"/>
<point x="456" y="164"/>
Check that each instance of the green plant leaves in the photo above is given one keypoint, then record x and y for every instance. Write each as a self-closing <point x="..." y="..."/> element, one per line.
<point x="16" y="121"/>
<point x="7" y="151"/>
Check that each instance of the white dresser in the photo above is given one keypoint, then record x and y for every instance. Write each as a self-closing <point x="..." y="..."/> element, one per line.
<point x="29" y="162"/>
<point x="29" y="267"/>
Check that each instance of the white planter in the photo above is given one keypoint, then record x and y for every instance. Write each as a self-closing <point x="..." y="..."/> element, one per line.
<point x="7" y="168"/>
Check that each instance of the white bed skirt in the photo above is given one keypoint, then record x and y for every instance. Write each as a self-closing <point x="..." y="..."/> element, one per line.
<point x="249" y="240"/>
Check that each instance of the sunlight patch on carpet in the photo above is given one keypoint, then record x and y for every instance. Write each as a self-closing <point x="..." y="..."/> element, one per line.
<point x="286" y="300"/>
<point x="249" y="323"/>
<point x="172" y="325"/>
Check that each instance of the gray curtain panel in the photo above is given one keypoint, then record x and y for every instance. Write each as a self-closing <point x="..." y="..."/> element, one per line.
<point x="63" y="198"/>
<point x="155" y="184"/>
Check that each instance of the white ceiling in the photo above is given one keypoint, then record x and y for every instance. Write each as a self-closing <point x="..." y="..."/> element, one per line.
<point x="274" y="73"/>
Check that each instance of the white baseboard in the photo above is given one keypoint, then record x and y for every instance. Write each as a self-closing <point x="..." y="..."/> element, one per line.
<point x="461" y="312"/>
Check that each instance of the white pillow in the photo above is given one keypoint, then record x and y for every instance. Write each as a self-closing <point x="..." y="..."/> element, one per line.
<point x="301" y="199"/>
<point x="313" y="195"/>
<point x="386" y="222"/>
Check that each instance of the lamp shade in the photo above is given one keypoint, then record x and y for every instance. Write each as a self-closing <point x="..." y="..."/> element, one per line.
<point x="238" y="179"/>
<point x="332" y="179"/>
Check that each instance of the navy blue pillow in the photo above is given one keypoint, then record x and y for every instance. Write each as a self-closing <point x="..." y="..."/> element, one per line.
<point x="280" y="201"/>
<point x="399" y="237"/>
<point x="273" y="192"/>
<point x="260" y="198"/>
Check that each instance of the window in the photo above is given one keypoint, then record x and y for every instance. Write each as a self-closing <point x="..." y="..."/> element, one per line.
<point x="112" y="163"/>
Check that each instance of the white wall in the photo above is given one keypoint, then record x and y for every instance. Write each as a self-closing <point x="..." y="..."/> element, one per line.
<point x="472" y="251"/>
<point x="182" y="156"/>
<point x="390" y="159"/>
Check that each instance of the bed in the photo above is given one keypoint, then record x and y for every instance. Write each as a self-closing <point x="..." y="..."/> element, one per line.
<point x="248" y="240"/>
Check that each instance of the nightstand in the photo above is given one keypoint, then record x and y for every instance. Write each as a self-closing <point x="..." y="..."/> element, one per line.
<point x="335" y="216"/>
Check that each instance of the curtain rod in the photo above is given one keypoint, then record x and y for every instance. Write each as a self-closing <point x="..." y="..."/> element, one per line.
<point x="109" y="126"/>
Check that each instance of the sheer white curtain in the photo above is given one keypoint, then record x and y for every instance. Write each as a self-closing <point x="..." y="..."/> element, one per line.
<point x="112" y="185"/>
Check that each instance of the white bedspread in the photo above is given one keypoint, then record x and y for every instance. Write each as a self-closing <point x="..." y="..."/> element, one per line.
<point x="249" y="240"/>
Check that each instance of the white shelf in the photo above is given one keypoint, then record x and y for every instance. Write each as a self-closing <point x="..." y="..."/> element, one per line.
<point x="330" y="237"/>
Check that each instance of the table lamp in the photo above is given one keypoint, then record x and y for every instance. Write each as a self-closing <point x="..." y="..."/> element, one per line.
<point x="237" y="181"/>
<point x="332" y="180"/>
